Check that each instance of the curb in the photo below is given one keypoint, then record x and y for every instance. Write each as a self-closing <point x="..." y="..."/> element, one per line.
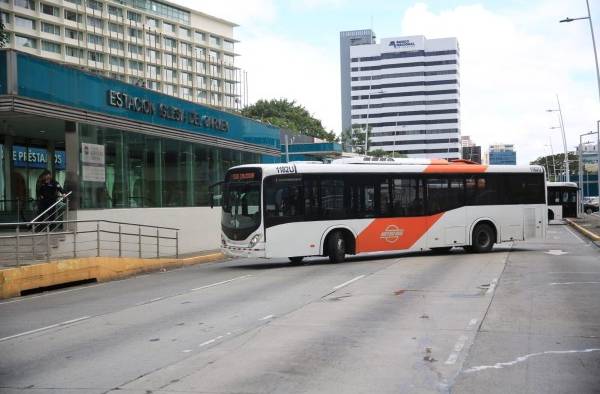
<point x="584" y="231"/>
<point x="15" y="280"/>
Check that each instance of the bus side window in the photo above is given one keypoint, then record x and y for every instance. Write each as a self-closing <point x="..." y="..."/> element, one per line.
<point x="332" y="198"/>
<point x="407" y="197"/>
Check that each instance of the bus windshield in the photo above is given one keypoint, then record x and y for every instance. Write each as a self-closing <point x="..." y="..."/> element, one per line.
<point x="241" y="204"/>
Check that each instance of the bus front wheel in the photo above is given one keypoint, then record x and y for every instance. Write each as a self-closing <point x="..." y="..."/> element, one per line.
<point x="483" y="238"/>
<point x="336" y="247"/>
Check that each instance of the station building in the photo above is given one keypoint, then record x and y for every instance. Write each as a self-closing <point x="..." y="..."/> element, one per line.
<point x="127" y="153"/>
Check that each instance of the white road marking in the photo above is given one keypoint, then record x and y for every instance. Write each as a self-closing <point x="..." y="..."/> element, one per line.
<point x="524" y="358"/>
<point x="186" y="351"/>
<point x="220" y="283"/>
<point x="574" y="235"/>
<point x="574" y="283"/>
<point x="348" y="282"/>
<point x="492" y="286"/>
<point x="472" y="323"/>
<point x="458" y="347"/>
<point x="556" y="252"/>
<point x="267" y="317"/>
<point x="207" y="342"/>
<point x="64" y="323"/>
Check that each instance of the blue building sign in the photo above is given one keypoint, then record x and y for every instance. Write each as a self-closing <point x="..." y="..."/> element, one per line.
<point x="24" y="157"/>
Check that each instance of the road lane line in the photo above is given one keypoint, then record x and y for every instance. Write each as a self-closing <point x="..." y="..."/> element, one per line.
<point x="207" y="342"/>
<point x="267" y="317"/>
<point x="524" y="358"/>
<point x="574" y="283"/>
<point x="348" y="282"/>
<point x="64" y="323"/>
<point x="575" y="235"/>
<point x="219" y="283"/>
<point x="458" y="347"/>
<point x="492" y="286"/>
<point x="472" y="323"/>
<point x="577" y="272"/>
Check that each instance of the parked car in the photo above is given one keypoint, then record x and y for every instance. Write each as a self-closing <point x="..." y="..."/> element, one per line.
<point x="591" y="205"/>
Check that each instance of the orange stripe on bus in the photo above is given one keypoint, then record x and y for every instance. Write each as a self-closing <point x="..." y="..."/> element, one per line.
<point x="456" y="168"/>
<point x="394" y="233"/>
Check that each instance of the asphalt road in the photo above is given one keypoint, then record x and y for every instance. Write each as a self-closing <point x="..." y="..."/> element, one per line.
<point x="520" y="319"/>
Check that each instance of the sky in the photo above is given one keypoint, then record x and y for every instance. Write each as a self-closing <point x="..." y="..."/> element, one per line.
<point x="515" y="58"/>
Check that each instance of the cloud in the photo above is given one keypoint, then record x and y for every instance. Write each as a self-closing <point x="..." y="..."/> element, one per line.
<point x="283" y="68"/>
<point x="238" y="11"/>
<point x="512" y="65"/>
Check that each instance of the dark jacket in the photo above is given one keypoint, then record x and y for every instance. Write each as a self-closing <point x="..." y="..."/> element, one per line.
<point x="48" y="194"/>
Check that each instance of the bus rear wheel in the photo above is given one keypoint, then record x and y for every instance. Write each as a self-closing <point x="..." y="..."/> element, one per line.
<point x="336" y="247"/>
<point x="296" y="259"/>
<point x="483" y="238"/>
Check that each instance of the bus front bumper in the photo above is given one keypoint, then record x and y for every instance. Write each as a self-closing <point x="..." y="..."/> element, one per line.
<point x="258" y="251"/>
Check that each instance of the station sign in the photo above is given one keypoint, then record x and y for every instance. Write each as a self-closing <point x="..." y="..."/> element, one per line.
<point x="24" y="157"/>
<point x="145" y="106"/>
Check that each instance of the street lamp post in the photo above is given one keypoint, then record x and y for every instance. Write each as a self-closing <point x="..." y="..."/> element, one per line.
<point x="589" y="18"/>
<point x="562" y="129"/>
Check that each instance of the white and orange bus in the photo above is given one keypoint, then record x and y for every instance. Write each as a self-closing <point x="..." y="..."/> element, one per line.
<point x="367" y="204"/>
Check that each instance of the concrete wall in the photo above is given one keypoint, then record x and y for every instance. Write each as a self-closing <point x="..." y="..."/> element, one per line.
<point x="200" y="227"/>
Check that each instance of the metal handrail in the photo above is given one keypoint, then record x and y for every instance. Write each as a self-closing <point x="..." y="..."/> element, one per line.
<point x="78" y="235"/>
<point x="91" y="221"/>
<point x="60" y="200"/>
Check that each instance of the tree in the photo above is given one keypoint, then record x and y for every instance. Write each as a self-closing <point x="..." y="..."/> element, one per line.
<point x="353" y="140"/>
<point x="549" y="163"/>
<point x="289" y="115"/>
<point x="385" y="153"/>
<point x="3" y="35"/>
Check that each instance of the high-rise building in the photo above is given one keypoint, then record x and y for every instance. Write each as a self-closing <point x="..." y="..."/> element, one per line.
<point x="465" y="141"/>
<point x="502" y="154"/>
<point x="347" y="40"/>
<point x="470" y="150"/>
<point x="155" y="44"/>
<point x="406" y="91"/>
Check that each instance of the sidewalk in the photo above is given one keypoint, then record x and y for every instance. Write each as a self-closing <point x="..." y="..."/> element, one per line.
<point x="588" y="225"/>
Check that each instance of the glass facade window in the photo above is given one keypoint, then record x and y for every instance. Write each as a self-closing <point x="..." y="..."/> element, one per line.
<point x="95" y="5"/>
<point x="170" y="75"/>
<point x="136" y="66"/>
<point x="228" y="59"/>
<point x="117" y="61"/>
<point x="73" y="16"/>
<point x="151" y="40"/>
<point x="115" y="28"/>
<point x="76" y="2"/>
<point x="186" y="63"/>
<point x="153" y="71"/>
<point x="170" y="44"/>
<point x="199" y="36"/>
<point x="135" y="33"/>
<point x="95" y="56"/>
<point x="186" y="93"/>
<point x="4" y="17"/>
<point x="186" y="78"/>
<point x="170" y="60"/>
<point x="135" y="49"/>
<point x="200" y="67"/>
<point x="95" y="22"/>
<point x="144" y="171"/>
<point x="215" y="41"/>
<point x="154" y="85"/>
<point x="24" y="23"/>
<point x="49" y="10"/>
<point x="73" y="34"/>
<point x="74" y="52"/>
<point x="29" y="4"/>
<point x="152" y="55"/>
<point x="118" y="45"/>
<point x="168" y="27"/>
<point x="115" y="11"/>
<point x="228" y="45"/>
<point x="185" y="49"/>
<point x="214" y="55"/>
<point x="185" y="32"/>
<point x="169" y="89"/>
<point x="95" y="39"/>
<point x="134" y="16"/>
<point x="199" y="52"/>
<point x="50" y="28"/>
<point x="152" y="22"/>
<point x="202" y="96"/>
<point x="200" y="81"/>
<point x="26" y="42"/>
<point x="51" y="47"/>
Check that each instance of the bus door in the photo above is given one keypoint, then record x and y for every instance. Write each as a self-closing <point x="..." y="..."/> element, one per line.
<point x="445" y="197"/>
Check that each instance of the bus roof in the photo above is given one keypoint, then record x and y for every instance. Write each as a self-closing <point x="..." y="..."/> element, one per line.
<point x="562" y="184"/>
<point x="433" y="167"/>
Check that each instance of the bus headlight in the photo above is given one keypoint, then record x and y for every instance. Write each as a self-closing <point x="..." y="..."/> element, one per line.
<point x="254" y="240"/>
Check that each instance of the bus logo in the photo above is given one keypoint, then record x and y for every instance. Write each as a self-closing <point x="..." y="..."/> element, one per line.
<point x="391" y="233"/>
